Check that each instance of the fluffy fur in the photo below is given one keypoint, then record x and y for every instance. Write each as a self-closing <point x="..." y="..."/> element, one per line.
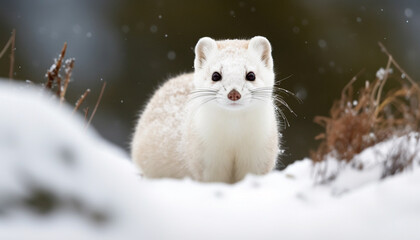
<point x="190" y="128"/>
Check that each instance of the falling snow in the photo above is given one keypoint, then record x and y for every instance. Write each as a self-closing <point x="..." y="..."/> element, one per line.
<point x="153" y="28"/>
<point x="171" y="55"/>
<point x="322" y="43"/>
<point x="408" y="12"/>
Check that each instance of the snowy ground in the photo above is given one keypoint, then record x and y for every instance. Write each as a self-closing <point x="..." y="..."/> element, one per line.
<point x="59" y="181"/>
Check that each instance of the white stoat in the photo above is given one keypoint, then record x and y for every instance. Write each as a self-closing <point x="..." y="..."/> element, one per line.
<point x="217" y="124"/>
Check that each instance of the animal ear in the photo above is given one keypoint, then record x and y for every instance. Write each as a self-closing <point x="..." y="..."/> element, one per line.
<point x="262" y="48"/>
<point x="204" y="48"/>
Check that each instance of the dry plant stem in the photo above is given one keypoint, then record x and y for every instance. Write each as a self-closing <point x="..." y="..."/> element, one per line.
<point x="350" y="84"/>
<point x="9" y="42"/>
<point x="52" y="74"/>
<point x="382" y="84"/>
<point x="96" y="105"/>
<point x="12" y="54"/>
<point x="374" y="117"/>
<point x="86" y="111"/>
<point x="59" y="86"/>
<point x="81" y="99"/>
<point x="69" y="70"/>
<point x="383" y="48"/>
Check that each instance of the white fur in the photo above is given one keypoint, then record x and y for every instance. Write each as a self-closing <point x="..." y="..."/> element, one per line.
<point x="220" y="140"/>
<point x="234" y="142"/>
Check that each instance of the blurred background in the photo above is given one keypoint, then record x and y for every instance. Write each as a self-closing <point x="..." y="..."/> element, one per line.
<point x="136" y="45"/>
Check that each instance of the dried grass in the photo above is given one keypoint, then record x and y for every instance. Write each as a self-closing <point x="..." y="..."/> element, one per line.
<point x="10" y="44"/>
<point x="53" y="76"/>
<point x="54" y="79"/>
<point x="96" y="105"/>
<point x="69" y="70"/>
<point x="54" y="72"/>
<point x="81" y="100"/>
<point x="358" y="122"/>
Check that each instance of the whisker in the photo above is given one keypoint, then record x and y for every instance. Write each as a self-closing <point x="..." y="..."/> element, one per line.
<point x="206" y="101"/>
<point x="283" y="116"/>
<point x="275" y="98"/>
<point x="284" y="103"/>
<point x="198" y="96"/>
<point x="210" y="89"/>
<point x="270" y="89"/>
<point x="264" y="96"/>
<point x="202" y="91"/>
<point x="281" y="80"/>
<point x="277" y="109"/>
<point x="261" y="99"/>
<point x="291" y="94"/>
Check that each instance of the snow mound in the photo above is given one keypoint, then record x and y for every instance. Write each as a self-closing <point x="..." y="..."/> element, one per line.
<point x="59" y="181"/>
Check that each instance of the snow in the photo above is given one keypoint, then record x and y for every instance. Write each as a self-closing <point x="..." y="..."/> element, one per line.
<point x="153" y="28"/>
<point x="382" y="72"/>
<point x="322" y="43"/>
<point x="171" y="55"/>
<point x="408" y="12"/>
<point x="59" y="181"/>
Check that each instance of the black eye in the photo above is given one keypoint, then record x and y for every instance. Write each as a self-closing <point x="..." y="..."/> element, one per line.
<point x="250" y="76"/>
<point x="216" y="77"/>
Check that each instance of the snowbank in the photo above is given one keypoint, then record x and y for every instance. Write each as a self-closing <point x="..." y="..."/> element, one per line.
<point x="59" y="181"/>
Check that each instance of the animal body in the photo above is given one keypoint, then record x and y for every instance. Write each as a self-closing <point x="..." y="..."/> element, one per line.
<point x="216" y="124"/>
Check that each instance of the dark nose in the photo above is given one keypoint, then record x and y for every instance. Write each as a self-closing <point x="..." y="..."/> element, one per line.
<point x="234" y="95"/>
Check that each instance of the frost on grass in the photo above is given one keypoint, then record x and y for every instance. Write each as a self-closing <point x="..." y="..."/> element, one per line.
<point x="59" y="181"/>
<point x="381" y="73"/>
<point x="359" y="120"/>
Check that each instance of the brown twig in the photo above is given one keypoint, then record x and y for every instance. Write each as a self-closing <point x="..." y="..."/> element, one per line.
<point x="96" y="105"/>
<point x="80" y="100"/>
<point x="86" y="111"/>
<point x="52" y="73"/>
<point x="383" y="48"/>
<point x="69" y="69"/>
<point x="58" y="86"/>
<point x="383" y="81"/>
<point x="9" y="42"/>
<point x="348" y="88"/>
<point x="12" y="54"/>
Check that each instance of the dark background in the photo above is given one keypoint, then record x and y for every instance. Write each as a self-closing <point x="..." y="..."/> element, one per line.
<point x="135" y="45"/>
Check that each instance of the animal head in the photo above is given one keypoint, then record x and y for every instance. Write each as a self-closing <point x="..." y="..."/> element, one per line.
<point x="233" y="73"/>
